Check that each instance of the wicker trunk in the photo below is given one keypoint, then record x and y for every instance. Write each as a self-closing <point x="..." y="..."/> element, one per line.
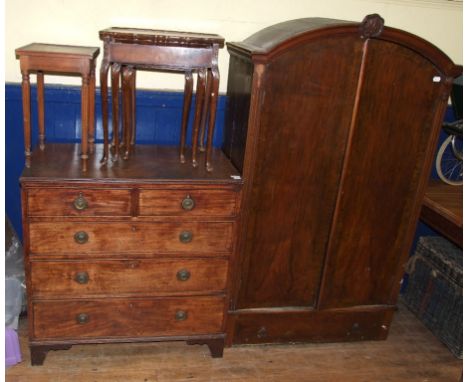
<point x="435" y="290"/>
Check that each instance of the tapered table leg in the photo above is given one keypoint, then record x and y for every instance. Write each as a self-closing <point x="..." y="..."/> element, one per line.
<point x="84" y="121"/>
<point x="105" y="110"/>
<point x="92" y="108"/>
<point x="26" y="93"/>
<point x="40" y="109"/>
<point x="127" y="106"/>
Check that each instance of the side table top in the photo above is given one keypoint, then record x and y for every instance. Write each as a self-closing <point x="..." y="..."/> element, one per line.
<point x="160" y="37"/>
<point x="40" y="49"/>
<point x="442" y="210"/>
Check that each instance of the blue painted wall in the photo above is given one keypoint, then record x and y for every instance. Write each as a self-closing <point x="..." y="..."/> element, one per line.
<point x="159" y="116"/>
<point x="158" y="119"/>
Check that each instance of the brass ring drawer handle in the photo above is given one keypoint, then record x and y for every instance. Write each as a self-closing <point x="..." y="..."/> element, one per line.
<point x="82" y="277"/>
<point x="181" y="315"/>
<point x="81" y="237"/>
<point x="82" y="318"/>
<point x="188" y="203"/>
<point x="80" y="203"/>
<point x="185" y="237"/>
<point x="183" y="275"/>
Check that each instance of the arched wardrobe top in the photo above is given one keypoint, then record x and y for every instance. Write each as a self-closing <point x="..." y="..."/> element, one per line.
<point x="269" y="42"/>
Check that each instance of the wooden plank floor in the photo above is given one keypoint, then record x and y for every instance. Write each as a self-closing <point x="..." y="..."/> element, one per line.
<point x="411" y="353"/>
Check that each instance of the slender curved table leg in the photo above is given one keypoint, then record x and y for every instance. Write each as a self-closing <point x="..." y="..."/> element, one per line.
<point x="127" y="103"/>
<point x="205" y="114"/>
<point x="26" y="93"/>
<point x="201" y="84"/>
<point x="133" y="83"/>
<point x="84" y="121"/>
<point x="40" y="109"/>
<point x="185" y="113"/>
<point x="115" y="74"/>
<point x="213" y="96"/>
<point x="105" y="110"/>
<point x="91" y="123"/>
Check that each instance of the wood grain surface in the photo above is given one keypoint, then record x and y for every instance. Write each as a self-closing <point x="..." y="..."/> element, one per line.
<point x="112" y="317"/>
<point x="443" y="210"/>
<point x="113" y="238"/>
<point x="335" y="154"/>
<point x="114" y="277"/>
<point x="411" y="353"/>
<point x="60" y="202"/>
<point x="207" y="202"/>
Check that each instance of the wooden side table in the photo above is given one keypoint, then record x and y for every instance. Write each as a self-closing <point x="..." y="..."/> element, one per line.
<point x="126" y="50"/>
<point x="442" y="210"/>
<point x="64" y="60"/>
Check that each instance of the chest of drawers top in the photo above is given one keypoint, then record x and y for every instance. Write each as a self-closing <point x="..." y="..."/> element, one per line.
<point x="150" y="164"/>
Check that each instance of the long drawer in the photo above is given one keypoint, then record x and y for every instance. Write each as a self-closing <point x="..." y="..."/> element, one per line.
<point x="187" y="202"/>
<point x="101" y="277"/>
<point x="127" y="317"/>
<point x="78" y="202"/>
<point x="119" y="237"/>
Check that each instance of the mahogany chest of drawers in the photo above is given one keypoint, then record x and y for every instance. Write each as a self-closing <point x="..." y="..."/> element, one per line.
<point x="131" y="251"/>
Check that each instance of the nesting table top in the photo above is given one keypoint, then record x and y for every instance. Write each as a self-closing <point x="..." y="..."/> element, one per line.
<point x="40" y="49"/>
<point x="160" y="37"/>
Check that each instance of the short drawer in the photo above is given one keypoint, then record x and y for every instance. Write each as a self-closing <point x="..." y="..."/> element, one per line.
<point x="162" y="276"/>
<point x="118" y="317"/>
<point x="78" y="202"/>
<point x="190" y="202"/>
<point x="114" y="238"/>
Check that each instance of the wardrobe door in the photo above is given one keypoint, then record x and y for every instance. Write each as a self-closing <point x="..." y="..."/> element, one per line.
<point x="391" y="146"/>
<point x="307" y="96"/>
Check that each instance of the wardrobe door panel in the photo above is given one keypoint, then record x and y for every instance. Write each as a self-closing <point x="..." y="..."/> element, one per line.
<point x="391" y="141"/>
<point x="307" y="100"/>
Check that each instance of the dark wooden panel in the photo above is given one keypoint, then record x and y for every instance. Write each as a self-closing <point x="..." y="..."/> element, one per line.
<point x="238" y="99"/>
<point x="207" y="202"/>
<point x="382" y="183"/>
<point x="305" y="114"/>
<point x="127" y="317"/>
<point x="275" y="326"/>
<point x="60" y="202"/>
<point x="113" y="238"/>
<point x="103" y="277"/>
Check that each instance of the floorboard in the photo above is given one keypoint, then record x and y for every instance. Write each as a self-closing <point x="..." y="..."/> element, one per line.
<point x="411" y="353"/>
